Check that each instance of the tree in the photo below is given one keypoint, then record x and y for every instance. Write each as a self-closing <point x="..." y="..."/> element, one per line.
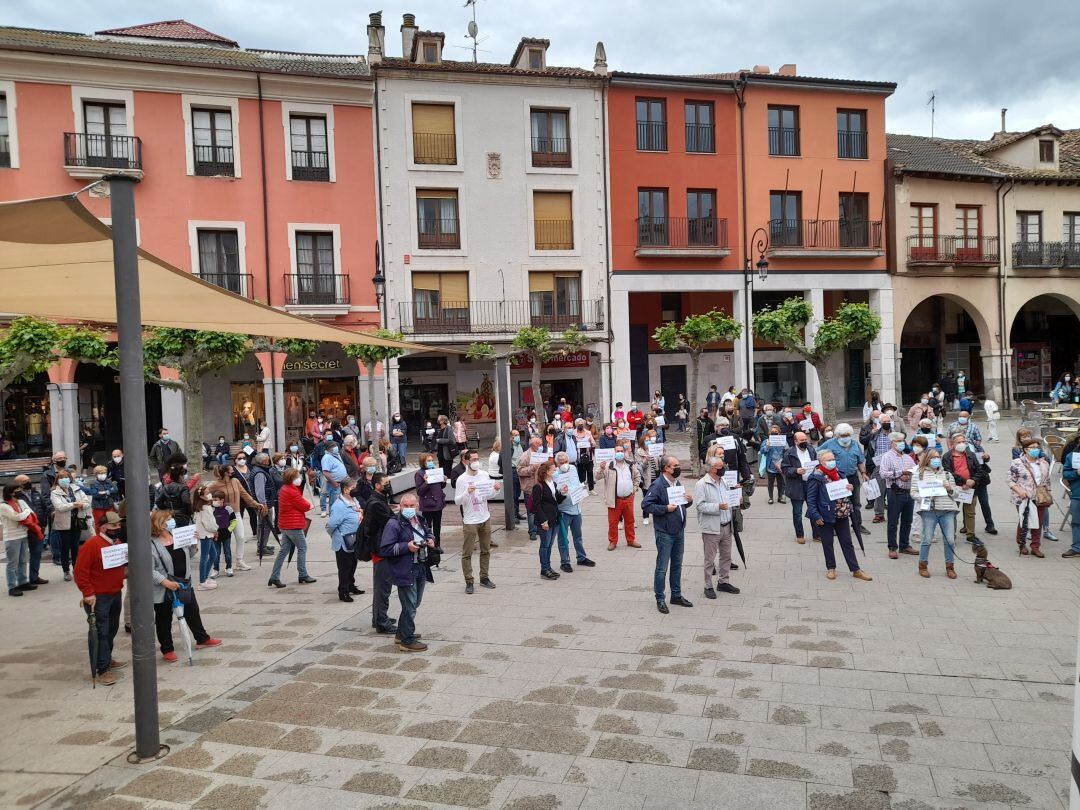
<point x="535" y="344"/>
<point x="692" y="336"/>
<point x="852" y="323"/>
<point x="30" y="345"/>
<point x="370" y="356"/>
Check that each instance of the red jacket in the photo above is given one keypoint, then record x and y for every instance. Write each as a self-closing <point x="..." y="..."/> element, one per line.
<point x="91" y="578"/>
<point x="634" y="418"/>
<point x="292" y="508"/>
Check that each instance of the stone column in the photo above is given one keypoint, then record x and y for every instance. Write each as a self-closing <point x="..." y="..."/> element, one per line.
<point x="884" y="355"/>
<point x="738" y="307"/>
<point x="993" y="384"/>
<point x="272" y="364"/>
<point x="620" y="324"/>
<point x="64" y="409"/>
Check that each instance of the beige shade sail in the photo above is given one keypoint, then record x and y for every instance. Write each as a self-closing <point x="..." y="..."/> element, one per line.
<point x="56" y="261"/>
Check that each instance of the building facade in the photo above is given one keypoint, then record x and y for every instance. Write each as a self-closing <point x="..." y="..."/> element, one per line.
<point x="255" y="173"/>
<point x="493" y="202"/>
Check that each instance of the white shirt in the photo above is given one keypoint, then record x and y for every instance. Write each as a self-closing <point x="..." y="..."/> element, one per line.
<point x="1036" y="473"/>
<point x="474" y="506"/>
<point x="727" y="397"/>
<point x="992" y="410"/>
<point x="624" y="480"/>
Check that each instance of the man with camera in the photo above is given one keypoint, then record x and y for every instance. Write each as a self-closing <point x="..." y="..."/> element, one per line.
<point x="408" y="547"/>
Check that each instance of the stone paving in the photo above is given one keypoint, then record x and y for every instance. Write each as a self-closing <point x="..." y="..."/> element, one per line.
<point x="900" y="693"/>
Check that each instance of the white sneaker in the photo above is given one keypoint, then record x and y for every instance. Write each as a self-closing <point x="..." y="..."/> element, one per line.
<point x="243" y="566"/>
<point x="322" y="514"/>
<point x="646" y="521"/>
<point x="209" y="585"/>
<point x="214" y="574"/>
<point x="228" y="572"/>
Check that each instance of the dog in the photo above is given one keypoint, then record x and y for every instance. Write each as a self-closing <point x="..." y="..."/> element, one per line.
<point x="984" y="571"/>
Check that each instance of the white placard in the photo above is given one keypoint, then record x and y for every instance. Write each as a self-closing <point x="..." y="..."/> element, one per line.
<point x="731" y="478"/>
<point x="485" y="489"/>
<point x="734" y="497"/>
<point x="656" y="449"/>
<point x="1075" y="460"/>
<point x="627" y="435"/>
<point x="114" y="556"/>
<point x="837" y="489"/>
<point x="660" y="420"/>
<point x="932" y="489"/>
<point x="871" y="490"/>
<point x="809" y="468"/>
<point x="249" y="450"/>
<point x="569" y="478"/>
<point x="584" y="444"/>
<point x="604" y="454"/>
<point x="964" y="495"/>
<point x="777" y="440"/>
<point x="434" y="476"/>
<point x="429" y="432"/>
<point x="184" y="536"/>
<point x="579" y="493"/>
<point x="538" y="456"/>
<point x="727" y="442"/>
<point x="806" y="425"/>
<point x="676" y="495"/>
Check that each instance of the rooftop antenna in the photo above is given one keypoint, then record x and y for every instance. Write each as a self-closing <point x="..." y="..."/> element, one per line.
<point x="473" y="31"/>
<point x="932" y="101"/>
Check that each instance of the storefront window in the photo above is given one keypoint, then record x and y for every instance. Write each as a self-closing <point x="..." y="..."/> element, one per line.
<point x="334" y="399"/>
<point x="781" y="382"/>
<point x="91" y="422"/>
<point x="420" y="403"/>
<point x="27" y="427"/>
<point x="247" y="409"/>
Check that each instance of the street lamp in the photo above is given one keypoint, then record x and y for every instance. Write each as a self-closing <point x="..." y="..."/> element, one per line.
<point x="379" y="280"/>
<point x="760" y="241"/>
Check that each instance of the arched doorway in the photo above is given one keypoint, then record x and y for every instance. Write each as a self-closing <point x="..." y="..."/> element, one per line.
<point x="941" y="333"/>
<point x="1045" y="341"/>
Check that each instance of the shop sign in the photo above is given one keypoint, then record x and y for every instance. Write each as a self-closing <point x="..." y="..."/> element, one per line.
<point x="569" y="360"/>
<point x="312" y="365"/>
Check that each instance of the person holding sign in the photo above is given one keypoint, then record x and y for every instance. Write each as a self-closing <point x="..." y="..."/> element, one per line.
<point x="797" y="464"/>
<point x="547" y="495"/>
<point x="932" y="488"/>
<point x="586" y="446"/>
<point x="471" y="493"/>
<point x="832" y="516"/>
<point x="773" y="454"/>
<point x="1029" y="482"/>
<point x="648" y="463"/>
<point x="967" y="472"/>
<point x="99" y="574"/>
<point x="714" y="518"/>
<point x="666" y="501"/>
<point x="896" y="469"/>
<point x="570" y="515"/>
<point x="851" y="462"/>
<point x="430" y="481"/>
<point x="527" y="468"/>
<point x="620" y="478"/>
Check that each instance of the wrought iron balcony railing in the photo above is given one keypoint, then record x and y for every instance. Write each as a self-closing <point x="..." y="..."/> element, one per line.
<point x="682" y="232"/>
<point x="498" y="317"/>
<point x="784" y="141"/>
<point x="1046" y="254"/>
<point x="239" y="283"/>
<point x="550" y="151"/>
<point x="302" y="289"/>
<point x="435" y="148"/>
<point x="652" y="136"/>
<point x="87" y="150"/>
<point x="825" y="234"/>
<point x="851" y="145"/>
<point x="953" y="250"/>
<point x="700" y="138"/>
<point x="217" y="161"/>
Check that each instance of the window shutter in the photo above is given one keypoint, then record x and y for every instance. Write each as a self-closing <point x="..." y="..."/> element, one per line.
<point x="433" y="119"/>
<point x="552" y="206"/>
<point x="425" y="281"/>
<point x="437" y="194"/>
<point x="455" y="288"/>
<point x="541" y="282"/>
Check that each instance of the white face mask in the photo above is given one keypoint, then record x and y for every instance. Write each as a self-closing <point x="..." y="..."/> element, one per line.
<point x="118" y="459"/>
<point x="281" y="465"/>
<point x="101" y="476"/>
<point x="564" y="467"/>
<point x="299" y="481"/>
<point x="474" y="465"/>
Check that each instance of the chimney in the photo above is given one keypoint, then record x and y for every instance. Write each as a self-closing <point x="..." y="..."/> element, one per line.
<point x="408" y="34"/>
<point x="1003" y="111"/>
<point x="761" y="69"/>
<point x="788" y="70"/>
<point x="376" y="37"/>
<point x="600" y="60"/>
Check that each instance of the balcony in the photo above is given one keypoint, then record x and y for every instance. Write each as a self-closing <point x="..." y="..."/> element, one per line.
<point x="5" y="152"/>
<point x="952" y="250"/>
<point x="550" y="152"/>
<point x="497" y="317"/>
<point x="652" y="136"/>
<point x="682" y="236"/>
<point x="1045" y="255"/>
<point x="318" y="295"/>
<point x="307" y="165"/>
<point x="825" y="238"/>
<point x="851" y="145"/>
<point x="700" y="138"/>
<point x="784" y="141"/>
<point x="239" y="283"/>
<point x="89" y="156"/>
<point x="217" y="161"/>
<point x="435" y="148"/>
<point x="439" y="234"/>
<point x="554" y="234"/>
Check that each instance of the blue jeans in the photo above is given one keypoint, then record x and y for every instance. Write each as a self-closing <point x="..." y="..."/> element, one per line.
<point x="983" y="494"/>
<point x="517" y="493"/>
<point x="402" y="447"/>
<point x="208" y="557"/>
<point x="107" y="610"/>
<point x="1074" y="514"/>
<point x="796" y="515"/>
<point x="410" y="597"/>
<point x="223" y="548"/>
<point x="18" y="554"/>
<point x="570" y="524"/>
<point x="291" y="538"/>
<point x="930" y="520"/>
<point x="223" y="459"/>
<point x="669" y="553"/>
<point x="54" y="545"/>
<point x="35" y="560"/>
<point x="547" y="539"/>
<point x="330" y="493"/>
<point x="901" y="507"/>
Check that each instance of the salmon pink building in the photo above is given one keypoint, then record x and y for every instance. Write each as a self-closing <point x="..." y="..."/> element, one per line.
<point x="255" y="172"/>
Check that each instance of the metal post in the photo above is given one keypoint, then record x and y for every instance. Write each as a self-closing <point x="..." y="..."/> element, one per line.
<point x="506" y="424"/>
<point x="748" y="292"/>
<point x="133" y="412"/>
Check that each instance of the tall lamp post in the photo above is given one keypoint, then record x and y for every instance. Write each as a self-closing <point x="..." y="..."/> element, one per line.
<point x="378" y="281"/>
<point x="760" y="241"/>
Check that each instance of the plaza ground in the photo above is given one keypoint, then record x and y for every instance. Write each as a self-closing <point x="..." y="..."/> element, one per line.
<point x="900" y="693"/>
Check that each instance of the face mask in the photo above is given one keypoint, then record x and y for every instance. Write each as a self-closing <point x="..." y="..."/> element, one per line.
<point x="898" y="445"/>
<point x="65" y="482"/>
<point x="474" y="465"/>
<point x="241" y="463"/>
<point x="1067" y="379"/>
<point x="430" y="465"/>
<point x="648" y="441"/>
<point x="808" y="410"/>
<point x="564" y="467"/>
<point x="118" y="459"/>
<point x="294" y="449"/>
<point x="517" y="440"/>
<point x="676" y="472"/>
<point x="102" y="476"/>
<point x="620" y="456"/>
<point x="298" y="481"/>
<point x="830" y="464"/>
<point x="408" y="513"/>
<point x="207" y="497"/>
<point x="828" y="434"/>
<point x="334" y="452"/>
<point x="352" y="421"/>
<point x="281" y="465"/>
<point x="963" y="420"/>
<point x="170" y="524"/>
<point x="369" y="470"/>
<point x="877" y="423"/>
<point x="935" y="463"/>
<point x="768" y="411"/>
<point x="961" y="448"/>
<point x="917" y="449"/>
<point x="845" y="441"/>
<point x="926" y="402"/>
<point x="1033" y="452"/>
<point x="164" y="437"/>
<point x="802" y="445"/>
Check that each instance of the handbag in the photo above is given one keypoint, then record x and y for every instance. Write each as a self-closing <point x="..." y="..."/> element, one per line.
<point x="1044" y="497"/>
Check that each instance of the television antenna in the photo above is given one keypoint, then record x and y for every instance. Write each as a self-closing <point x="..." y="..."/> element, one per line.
<point x="932" y="102"/>
<point x="473" y="34"/>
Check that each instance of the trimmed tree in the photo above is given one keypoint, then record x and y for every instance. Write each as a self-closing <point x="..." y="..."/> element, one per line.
<point x="786" y="325"/>
<point x="30" y="345"/>
<point x="370" y="356"/>
<point x="693" y="335"/>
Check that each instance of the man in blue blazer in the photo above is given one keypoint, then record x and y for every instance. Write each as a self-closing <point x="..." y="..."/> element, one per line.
<point x="669" y="524"/>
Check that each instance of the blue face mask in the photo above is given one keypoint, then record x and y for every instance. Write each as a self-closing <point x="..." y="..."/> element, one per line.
<point x="334" y="452"/>
<point x="1033" y="452"/>
<point x="845" y="441"/>
<point x="935" y="463"/>
<point x="170" y="524"/>
<point x="408" y="513"/>
<point x="430" y="465"/>
<point x="620" y="456"/>
<point x="830" y="465"/>
<point x="963" y="420"/>
<point x="294" y="449"/>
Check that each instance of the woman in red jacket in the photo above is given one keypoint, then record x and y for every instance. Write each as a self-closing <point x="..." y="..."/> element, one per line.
<point x="292" y="509"/>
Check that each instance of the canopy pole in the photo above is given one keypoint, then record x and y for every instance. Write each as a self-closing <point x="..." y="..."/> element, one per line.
<point x="506" y="424"/>
<point x="137" y="502"/>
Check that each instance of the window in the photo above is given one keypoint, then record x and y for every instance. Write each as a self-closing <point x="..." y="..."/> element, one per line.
<point x="536" y="59"/>
<point x="310" y="158"/>
<point x="212" y="141"/>
<point x="437" y="219"/>
<point x="851" y="134"/>
<point x="5" y="145"/>
<point x="1070" y="231"/>
<point x="700" y="128"/>
<point x="1046" y="151"/>
<point x="1028" y="250"/>
<point x="785" y="218"/>
<point x="553" y="220"/>
<point x="219" y="259"/>
<point x="968" y="232"/>
<point x="670" y="306"/>
<point x="652" y="216"/>
<point x="316" y="281"/>
<point x="784" y="131"/>
<point x="550" y="130"/>
<point x="431" y="53"/>
<point x="700" y="218"/>
<point x="434" y="139"/>
<point x="854" y="225"/>
<point x="651" y="125"/>
<point x="106" y="141"/>
<point x="923" y="239"/>
<point x="555" y="299"/>
<point x="441" y="302"/>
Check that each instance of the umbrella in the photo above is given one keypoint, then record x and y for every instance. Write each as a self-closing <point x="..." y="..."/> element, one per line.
<point x="91" y="620"/>
<point x="738" y="545"/>
<point x="185" y="633"/>
<point x="260" y="537"/>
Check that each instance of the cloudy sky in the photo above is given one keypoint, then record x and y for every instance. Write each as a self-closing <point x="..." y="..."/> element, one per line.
<point x="977" y="55"/>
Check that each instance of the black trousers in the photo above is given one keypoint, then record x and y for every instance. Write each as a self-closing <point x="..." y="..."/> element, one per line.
<point x="434" y="520"/>
<point x="346" y="571"/>
<point x="380" y="601"/>
<point x="585" y="473"/>
<point x="163" y="620"/>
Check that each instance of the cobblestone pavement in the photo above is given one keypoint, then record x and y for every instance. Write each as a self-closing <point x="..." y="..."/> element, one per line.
<point x="900" y="693"/>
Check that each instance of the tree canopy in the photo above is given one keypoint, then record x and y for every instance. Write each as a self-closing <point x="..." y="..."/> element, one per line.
<point x="30" y="345"/>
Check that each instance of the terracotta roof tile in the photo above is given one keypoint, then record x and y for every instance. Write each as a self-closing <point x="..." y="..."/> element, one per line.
<point x="969" y="158"/>
<point x="169" y="29"/>
<point x="525" y="43"/>
<point x="1001" y="139"/>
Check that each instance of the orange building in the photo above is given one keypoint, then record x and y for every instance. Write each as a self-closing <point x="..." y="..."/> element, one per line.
<point x="710" y="174"/>
<point x="255" y="172"/>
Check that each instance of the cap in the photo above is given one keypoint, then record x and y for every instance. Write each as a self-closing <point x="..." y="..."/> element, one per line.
<point x="112" y="519"/>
